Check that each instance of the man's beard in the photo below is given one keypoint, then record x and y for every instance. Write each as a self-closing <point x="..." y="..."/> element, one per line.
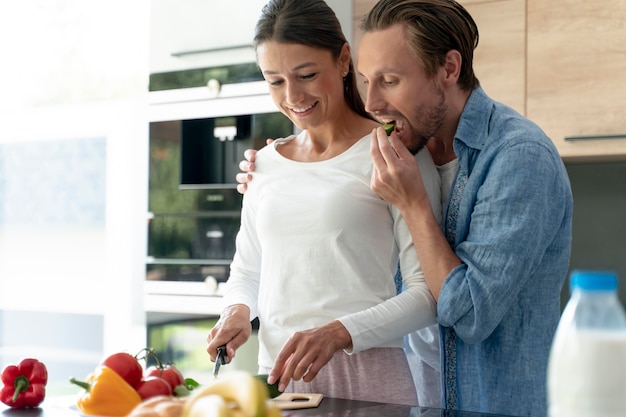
<point x="429" y="120"/>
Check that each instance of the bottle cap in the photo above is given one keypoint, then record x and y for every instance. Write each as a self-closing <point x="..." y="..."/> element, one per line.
<point x="593" y="280"/>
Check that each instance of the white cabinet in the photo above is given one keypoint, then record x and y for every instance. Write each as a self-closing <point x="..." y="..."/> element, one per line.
<point x="187" y="34"/>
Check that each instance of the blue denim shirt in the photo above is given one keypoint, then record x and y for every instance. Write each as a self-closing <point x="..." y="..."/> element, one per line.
<point x="513" y="235"/>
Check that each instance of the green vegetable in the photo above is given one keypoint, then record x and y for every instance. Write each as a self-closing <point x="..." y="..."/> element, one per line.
<point x="389" y="127"/>
<point x="272" y="388"/>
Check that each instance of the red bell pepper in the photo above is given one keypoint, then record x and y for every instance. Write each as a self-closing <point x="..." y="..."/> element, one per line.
<point x="24" y="384"/>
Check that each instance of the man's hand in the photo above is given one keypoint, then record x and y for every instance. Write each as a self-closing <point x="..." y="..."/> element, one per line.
<point x="306" y="352"/>
<point x="247" y="166"/>
<point x="232" y="329"/>
<point x="396" y="177"/>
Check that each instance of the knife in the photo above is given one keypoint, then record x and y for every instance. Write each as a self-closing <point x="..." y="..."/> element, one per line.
<point x="220" y="359"/>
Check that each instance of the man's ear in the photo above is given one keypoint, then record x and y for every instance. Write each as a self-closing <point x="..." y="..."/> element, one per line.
<point x="452" y="66"/>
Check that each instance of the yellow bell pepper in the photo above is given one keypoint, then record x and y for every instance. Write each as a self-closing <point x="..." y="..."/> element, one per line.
<point x="106" y="394"/>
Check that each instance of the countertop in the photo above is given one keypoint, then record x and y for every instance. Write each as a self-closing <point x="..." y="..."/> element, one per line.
<point x="329" y="407"/>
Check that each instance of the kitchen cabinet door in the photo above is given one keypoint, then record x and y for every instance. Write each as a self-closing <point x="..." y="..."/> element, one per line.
<point x="576" y="68"/>
<point x="500" y="58"/>
<point x="360" y="7"/>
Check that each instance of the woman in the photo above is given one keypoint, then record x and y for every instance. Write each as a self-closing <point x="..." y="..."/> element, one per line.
<point x="310" y="261"/>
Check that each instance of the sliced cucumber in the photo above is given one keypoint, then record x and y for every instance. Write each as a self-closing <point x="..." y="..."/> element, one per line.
<point x="389" y="127"/>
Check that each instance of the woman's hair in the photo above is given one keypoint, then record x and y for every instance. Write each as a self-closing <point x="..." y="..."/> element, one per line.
<point x="312" y="23"/>
<point x="432" y="28"/>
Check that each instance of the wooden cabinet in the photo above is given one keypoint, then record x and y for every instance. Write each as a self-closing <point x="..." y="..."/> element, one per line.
<point x="500" y="58"/>
<point x="360" y="8"/>
<point x="577" y="74"/>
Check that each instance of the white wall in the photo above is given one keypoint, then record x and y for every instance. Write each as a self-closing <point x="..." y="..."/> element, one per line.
<point x="73" y="177"/>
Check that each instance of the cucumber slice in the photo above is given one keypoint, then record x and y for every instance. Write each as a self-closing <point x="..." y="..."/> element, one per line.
<point x="389" y="127"/>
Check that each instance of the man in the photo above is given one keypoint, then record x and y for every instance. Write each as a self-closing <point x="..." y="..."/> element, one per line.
<point x="497" y="262"/>
<point x="498" y="266"/>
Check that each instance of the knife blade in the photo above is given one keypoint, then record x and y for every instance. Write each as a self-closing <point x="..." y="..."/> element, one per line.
<point x="220" y="359"/>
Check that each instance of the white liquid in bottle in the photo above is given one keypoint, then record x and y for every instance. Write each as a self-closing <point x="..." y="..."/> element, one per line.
<point x="587" y="366"/>
<point x="588" y="375"/>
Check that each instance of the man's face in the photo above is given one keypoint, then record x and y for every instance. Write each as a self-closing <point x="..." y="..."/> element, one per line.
<point x="398" y="88"/>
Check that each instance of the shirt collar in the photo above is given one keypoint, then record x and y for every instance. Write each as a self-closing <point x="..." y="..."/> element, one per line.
<point x="474" y="123"/>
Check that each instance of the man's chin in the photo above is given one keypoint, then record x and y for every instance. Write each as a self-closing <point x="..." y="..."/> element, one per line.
<point x="415" y="145"/>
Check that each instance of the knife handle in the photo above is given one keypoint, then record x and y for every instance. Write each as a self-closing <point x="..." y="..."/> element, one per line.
<point x="221" y="355"/>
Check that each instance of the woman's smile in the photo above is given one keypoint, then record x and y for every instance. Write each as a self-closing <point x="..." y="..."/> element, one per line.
<point x="303" y="111"/>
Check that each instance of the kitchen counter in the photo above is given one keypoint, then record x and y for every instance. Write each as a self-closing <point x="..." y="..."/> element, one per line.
<point x="329" y="407"/>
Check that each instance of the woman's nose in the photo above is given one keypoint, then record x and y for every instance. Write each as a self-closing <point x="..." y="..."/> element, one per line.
<point x="294" y="93"/>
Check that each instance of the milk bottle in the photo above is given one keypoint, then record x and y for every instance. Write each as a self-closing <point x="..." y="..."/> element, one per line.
<point x="587" y="365"/>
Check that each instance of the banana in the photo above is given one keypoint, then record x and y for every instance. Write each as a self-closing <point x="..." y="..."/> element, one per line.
<point x="209" y="406"/>
<point x="246" y="392"/>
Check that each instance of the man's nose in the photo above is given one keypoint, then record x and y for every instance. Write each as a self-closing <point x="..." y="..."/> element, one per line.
<point x="373" y="101"/>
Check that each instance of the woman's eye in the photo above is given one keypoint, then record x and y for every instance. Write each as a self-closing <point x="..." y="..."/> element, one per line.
<point x="275" y="83"/>
<point x="308" y="76"/>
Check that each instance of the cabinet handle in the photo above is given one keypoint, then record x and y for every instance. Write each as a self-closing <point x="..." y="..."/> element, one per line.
<point x="594" y="137"/>
<point x="179" y="54"/>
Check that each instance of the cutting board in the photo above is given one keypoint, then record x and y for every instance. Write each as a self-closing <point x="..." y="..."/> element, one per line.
<point x="293" y="400"/>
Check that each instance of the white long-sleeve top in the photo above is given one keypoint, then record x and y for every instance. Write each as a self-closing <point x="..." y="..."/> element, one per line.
<point x="317" y="244"/>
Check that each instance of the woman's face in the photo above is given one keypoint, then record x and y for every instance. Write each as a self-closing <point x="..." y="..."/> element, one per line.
<point x="306" y="83"/>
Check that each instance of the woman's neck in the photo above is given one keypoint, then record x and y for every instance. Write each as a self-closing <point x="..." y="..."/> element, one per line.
<point x="328" y="140"/>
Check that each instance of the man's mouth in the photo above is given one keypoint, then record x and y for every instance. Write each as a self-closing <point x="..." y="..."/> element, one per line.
<point x="392" y="124"/>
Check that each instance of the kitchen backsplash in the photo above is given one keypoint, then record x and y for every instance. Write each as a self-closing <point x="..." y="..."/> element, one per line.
<point x="599" y="226"/>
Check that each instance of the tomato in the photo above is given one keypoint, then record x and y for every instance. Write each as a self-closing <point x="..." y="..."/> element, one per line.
<point x="151" y="386"/>
<point x="169" y="373"/>
<point x="126" y="366"/>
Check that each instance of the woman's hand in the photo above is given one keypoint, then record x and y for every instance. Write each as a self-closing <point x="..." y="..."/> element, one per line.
<point x="232" y="329"/>
<point x="306" y="352"/>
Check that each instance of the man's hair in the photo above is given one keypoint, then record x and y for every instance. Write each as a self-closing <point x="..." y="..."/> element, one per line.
<point x="432" y="29"/>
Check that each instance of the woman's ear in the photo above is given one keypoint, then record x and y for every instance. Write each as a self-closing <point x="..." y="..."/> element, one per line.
<point x="344" y="59"/>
